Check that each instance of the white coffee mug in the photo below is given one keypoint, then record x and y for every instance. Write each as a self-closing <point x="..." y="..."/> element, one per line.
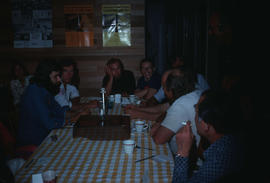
<point x="129" y="146"/>
<point x="140" y="126"/>
<point x="132" y="99"/>
<point x="117" y="98"/>
<point x="49" y="176"/>
<point x="111" y="98"/>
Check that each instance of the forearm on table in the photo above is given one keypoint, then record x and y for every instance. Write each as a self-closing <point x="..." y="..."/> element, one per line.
<point x="71" y="116"/>
<point x="108" y="86"/>
<point x="155" y="109"/>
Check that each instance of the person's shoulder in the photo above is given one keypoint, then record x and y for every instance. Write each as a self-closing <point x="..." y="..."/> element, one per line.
<point x="71" y="87"/>
<point x="191" y="97"/>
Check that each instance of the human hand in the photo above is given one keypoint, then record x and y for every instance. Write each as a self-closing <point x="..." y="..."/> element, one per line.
<point x="85" y="110"/>
<point x="125" y="94"/>
<point x="108" y="71"/>
<point x="130" y="106"/>
<point x="133" y="113"/>
<point x="184" y="140"/>
<point x="92" y="104"/>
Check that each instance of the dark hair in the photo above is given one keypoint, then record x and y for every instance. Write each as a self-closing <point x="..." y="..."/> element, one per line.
<point x="180" y="84"/>
<point x="146" y="60"/>
<point x="115" y="60"/>
<point x="67" y="61"/>
<point x="219" y="110"/>
<point x="17" y="63"/>
<point x="42" y="74"/>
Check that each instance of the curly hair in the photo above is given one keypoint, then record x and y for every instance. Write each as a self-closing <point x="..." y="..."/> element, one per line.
<point x="115" y="60"/>
<point x="42" y="74"/>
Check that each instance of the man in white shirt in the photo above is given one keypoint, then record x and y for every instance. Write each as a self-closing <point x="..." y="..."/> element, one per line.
<point x="68" y="94"/>
<point x="181" y="92"/>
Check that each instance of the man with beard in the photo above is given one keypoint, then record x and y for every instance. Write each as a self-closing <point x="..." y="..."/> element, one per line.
<point x="118" y="80"/>
<point x="40" y="113"/>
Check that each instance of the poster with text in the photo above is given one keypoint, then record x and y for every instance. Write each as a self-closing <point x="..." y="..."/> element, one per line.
<point x="116" y="25"/>
<point x="32" y="23"/>
<point x="79" y="30"/>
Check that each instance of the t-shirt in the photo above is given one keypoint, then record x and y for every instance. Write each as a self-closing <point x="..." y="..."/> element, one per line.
<point x="160" y="95"/>
<point x="154" y="82"/>
<point x="182" y="110"/>
<point x="64" y="96"/>
<point x="125" y="83"/>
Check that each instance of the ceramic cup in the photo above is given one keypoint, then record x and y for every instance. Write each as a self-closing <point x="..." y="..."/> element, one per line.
<point x="49" y="176"/>
<point x="132" y="99"/>
<point x="140" y="126"/>
<point x="117" y="98"/>
<point x="129" y="146"/>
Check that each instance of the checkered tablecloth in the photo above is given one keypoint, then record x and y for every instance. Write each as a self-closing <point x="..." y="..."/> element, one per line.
<point x="83" y="160"/>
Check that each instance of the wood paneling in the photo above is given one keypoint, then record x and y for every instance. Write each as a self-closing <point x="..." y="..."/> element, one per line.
<point x="91" y="60"/>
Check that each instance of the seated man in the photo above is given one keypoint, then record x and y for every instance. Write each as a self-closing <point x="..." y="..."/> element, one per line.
<point x="150" y="81"/>
<point x="180" y="90"/>
<point x="118" y="80"/>
<point x="40" y="113"/>
<point x="223" y="159"/>
<point x="154" y="110"/>
<point x="68" y="94"/>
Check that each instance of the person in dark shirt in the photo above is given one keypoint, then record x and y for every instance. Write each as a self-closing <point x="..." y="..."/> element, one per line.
<point x="223" y="159"/>
<point x="118" y="80"/>
<point x="150" y="81"/>
<point x="40" y="113"/>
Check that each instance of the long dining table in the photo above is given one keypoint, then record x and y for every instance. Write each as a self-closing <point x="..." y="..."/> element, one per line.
<point x="83" y="160"/>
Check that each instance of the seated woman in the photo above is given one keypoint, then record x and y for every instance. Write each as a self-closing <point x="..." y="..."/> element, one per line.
<point x="19" y="82"/>
<point x="150" y="81"/>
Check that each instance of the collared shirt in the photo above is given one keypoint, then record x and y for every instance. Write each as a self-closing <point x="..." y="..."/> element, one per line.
<point x="65" y="95"/>
<point x="222" y="158"/>
<point x="39" y="114"/>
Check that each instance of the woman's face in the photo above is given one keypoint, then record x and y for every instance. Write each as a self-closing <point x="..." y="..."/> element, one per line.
<point x="18" y="71"/>
<point x="67" y="74"/>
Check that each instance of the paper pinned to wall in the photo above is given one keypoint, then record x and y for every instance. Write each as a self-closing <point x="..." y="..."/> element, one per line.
<point x="79" y="25"/>
<point x="116" y="25"/>
<point x="32" y="23"/>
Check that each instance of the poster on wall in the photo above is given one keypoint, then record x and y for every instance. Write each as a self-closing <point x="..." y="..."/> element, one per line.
<point x="116" y="25"/>
<point x="79" y="29"/>
<point x="32" y="23"/>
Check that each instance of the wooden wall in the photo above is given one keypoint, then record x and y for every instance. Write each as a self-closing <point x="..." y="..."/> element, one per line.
<point x="90" y="60"/>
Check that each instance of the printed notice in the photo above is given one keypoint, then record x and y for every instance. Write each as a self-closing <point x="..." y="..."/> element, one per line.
<point x="79" y="25"/>
<point x="116" y="25"/>
<point x="32" y="23"/>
